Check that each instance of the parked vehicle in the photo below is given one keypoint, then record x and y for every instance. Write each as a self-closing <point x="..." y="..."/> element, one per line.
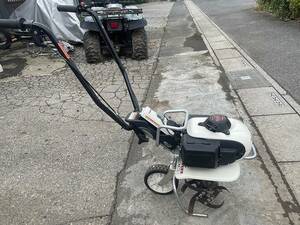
<point x="125" y="26"/>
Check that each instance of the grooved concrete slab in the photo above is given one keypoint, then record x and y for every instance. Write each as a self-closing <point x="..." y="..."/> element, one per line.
<point x="235" y="64"/>
<point x="221" y="45"/>
<point x="247" y="79"/>
<point x="216" y="38"/>
<point x="211" y="32"/>
<point x="227" y="53"/>
<point x="281" y="132"/>
<point x="291" y="172"/>
<point x="292" y="102"/>
<point x="264" y="101"/>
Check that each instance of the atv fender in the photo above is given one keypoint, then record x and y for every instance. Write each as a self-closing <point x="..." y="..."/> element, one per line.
<point x="130" y="25"/>
<point x="90" y="26"/>
<point x="136" y="24"/>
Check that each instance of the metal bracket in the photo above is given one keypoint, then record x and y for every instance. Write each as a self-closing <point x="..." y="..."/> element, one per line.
<point x="168" y="176"/>
<point x="180" y="204"/>
<point x="172" y="127"/>
<point x="253" y="155"/>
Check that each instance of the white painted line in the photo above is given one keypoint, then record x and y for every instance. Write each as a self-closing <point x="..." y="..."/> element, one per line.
<point x="1" y="68"/>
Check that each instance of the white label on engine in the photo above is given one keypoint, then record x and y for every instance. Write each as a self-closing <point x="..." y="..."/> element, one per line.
<point x="151" y="116"/>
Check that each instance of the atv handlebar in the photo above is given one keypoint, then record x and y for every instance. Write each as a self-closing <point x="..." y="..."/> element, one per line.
<point x="67" y="8"/>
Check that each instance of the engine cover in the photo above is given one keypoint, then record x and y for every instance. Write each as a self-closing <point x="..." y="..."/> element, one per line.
<point x="204" y="148"/>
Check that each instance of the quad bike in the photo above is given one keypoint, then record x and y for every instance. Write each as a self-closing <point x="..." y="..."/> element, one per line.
<point x="125" y="26"/>
<point x="206" y="149"/>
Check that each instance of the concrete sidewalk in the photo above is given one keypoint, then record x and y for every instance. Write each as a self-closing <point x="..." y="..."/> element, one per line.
<point x="271" y="42"/>
<point x="188" y="78"/>
<point x="271" y="110"/>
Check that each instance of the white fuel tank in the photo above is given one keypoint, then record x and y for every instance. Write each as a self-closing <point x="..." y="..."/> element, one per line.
<point x="238" y="132"/>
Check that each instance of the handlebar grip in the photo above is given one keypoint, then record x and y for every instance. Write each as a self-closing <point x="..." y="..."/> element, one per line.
<point x="12" y="23"/>
<point x="67" y="8"/>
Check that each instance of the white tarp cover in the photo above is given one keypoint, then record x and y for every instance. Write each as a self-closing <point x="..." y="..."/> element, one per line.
<point x="65" y="26"/>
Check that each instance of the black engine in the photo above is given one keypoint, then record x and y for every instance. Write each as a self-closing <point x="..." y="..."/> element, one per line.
<point x="198" y="152"/>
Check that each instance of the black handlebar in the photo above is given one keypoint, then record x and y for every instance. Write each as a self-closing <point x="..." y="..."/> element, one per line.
<point x="83" y="8"/>
<point x="67" y="8"/>
<point x="13" y="23"/>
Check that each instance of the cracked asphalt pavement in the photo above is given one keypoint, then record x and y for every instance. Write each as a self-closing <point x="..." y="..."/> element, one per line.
<point x="60" y="155"/>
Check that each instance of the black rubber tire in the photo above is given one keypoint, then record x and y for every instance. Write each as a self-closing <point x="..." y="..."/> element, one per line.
<point x="92" y="48"/>
<point x="6" y="42"/>
<point x="39" y="39"/>
<point x="157" y="168"/>
<point x="139" y="44"/>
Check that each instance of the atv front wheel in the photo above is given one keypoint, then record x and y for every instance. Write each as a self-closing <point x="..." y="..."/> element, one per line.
<point x="92" y="48"/>
<point x="139" y="44"/>
<point x="5" y="40"/>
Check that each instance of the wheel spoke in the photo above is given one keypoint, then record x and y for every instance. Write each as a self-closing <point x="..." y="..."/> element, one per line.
<point x="154" y="180"/>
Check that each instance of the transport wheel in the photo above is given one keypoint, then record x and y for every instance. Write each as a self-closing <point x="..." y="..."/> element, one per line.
<point x="154" y="176"/>
<point x="92" y="48"/>
<point x="5" y="40"/>
<point x="139" y="44"/>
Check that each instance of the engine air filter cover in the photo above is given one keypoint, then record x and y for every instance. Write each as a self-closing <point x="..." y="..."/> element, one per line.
<point x="217" y="123"/>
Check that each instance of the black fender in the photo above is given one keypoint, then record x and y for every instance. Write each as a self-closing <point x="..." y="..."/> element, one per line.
<point x="128" y="25"/>
<point x="91" y="26"/>
<point x="137" y="24"/>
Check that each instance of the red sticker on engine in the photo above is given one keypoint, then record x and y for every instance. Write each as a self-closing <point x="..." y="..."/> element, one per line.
<point x="63" y="50"/>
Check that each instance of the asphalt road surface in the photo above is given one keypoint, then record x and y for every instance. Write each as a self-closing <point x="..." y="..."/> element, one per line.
<point x="272" y="43"/>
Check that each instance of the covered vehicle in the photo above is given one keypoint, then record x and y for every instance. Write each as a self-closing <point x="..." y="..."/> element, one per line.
<point x="65" y="26"/>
